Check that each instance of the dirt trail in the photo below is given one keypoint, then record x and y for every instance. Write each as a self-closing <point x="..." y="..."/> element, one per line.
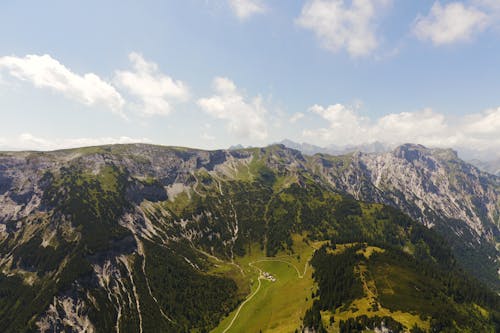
<point x="300" y="276"/>
<point x="248" y="299"/>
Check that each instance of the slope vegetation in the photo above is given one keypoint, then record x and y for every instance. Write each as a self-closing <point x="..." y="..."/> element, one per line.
<point x="145" y="239"/>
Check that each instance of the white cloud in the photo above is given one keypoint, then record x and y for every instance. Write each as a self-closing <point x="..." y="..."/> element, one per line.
<point x="43" y="71"/>
<point x="205" y="134"/>
<point x="245" y="118"/>
<point x="28" y="141"/>
<point x="343" y="120"/>
<point x="483" y="124"/>
<point x="477" y="131"/>
<point x="207" y="137"/>
<point x="296" y="117"/>
<point x="155" y="90"/>
<point x="492" y="7"/>
<point x="246" y="8"/>
<point x="453" y="22"/>
<point x="339" y="26"/>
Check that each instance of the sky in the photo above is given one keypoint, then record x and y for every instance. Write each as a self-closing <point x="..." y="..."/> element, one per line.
<point x="215" y="73"/>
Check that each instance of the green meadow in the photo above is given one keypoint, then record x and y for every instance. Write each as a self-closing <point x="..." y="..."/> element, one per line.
<point x="277" y="306"/>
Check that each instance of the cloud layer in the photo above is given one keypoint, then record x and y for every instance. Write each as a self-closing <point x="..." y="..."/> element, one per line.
<point x="155" y="90"/>
<point x="43" y="71"/>
<point x="339" y="26"/>
<point x="244" y="9"/>
<point x="244" y="118"/>
<point x="450" y="23"/>
<point x="478" y="131"/>
<point x="28" y="141"/>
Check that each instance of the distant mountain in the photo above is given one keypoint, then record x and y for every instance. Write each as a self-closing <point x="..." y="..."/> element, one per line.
<point x="236" y="147"/>
<point x="434" y="187"/>
<point x="144" y="238"/>
<point x="492" y="167"/>
<point x="309" y="149"/>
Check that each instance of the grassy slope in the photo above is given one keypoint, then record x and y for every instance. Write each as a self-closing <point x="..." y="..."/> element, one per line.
<point x="277" y="306"/>
<point x="404" y="294"/>
<point x="369" y="304"/>
<point x="280" y="306"/>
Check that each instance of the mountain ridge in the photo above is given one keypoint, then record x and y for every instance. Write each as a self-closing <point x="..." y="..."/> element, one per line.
<point x="108" y="211"/>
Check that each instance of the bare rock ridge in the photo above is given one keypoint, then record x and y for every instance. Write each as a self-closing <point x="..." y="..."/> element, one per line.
<point x="425" y="183"/>
<point x="123" y="226"/>
<point x="492" y="166"/>
<point x="433" y="186"/>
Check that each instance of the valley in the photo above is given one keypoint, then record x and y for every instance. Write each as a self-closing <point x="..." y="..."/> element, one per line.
<point x="250" y="166"/>
<point x="149" y="238"/>
<point x="280" y="304"/>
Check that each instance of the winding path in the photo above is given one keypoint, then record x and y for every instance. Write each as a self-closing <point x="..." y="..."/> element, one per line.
<point x="300" y="276"/>
<point x="248" y="299"/>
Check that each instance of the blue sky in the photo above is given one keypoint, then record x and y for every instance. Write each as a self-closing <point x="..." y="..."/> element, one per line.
<point x="213" y="73"/>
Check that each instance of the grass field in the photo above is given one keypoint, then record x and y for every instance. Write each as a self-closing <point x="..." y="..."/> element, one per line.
<point x="375" y="287"/>
<point x="274" y="306"/>
<point x="280" y="306"/>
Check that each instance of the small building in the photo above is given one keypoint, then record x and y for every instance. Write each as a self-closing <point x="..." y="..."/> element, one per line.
<point x="269" y="277"/>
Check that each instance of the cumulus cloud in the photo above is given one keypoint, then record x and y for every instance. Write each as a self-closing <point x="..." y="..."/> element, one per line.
<point x="343" y="120"/>
<point x="207" y="137"/>
<point x="478" y="131"/>
<point x="296" y="117"/>
<point x="484" y="124"/>
<point x="489" y="5"/>
<point x="28" y="141"/>
<point x="244" y="9"/>
<point x="155" y="90"/>
<point x="453" y="22"/>
<point x="340" y="26"/>
<point x="43" y="71"/>
<point x="245" y="118"/>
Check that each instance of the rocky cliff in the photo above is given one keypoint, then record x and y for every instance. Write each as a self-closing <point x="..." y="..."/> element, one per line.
<point x="114" y="237"/>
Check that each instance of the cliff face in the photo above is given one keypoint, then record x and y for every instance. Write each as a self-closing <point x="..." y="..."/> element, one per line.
<point x="425" y="183"/>
<point x="434" y="187"/>
<point x="492" y="167"/>
<point x="78" y="227"/>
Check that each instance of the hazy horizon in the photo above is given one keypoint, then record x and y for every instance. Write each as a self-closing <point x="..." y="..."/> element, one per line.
<point x="215" y="73"/>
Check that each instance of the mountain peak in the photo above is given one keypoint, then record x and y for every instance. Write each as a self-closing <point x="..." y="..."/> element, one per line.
<point x="411" y="152"/>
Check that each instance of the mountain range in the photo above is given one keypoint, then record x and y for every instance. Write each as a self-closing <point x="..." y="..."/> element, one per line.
<point x="310" y="149"/>
<point x="482" y="160"/>
<point x="492" y="167"/>
<point x="145" y="238"/>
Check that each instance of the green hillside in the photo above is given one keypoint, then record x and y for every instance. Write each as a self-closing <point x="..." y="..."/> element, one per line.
<point x="359" y="287"/>
<point x="252" y="246"/>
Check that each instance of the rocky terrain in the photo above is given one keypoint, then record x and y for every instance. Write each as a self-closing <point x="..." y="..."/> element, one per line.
<point x="120" y="237"/>
<point x="434" y="187"/>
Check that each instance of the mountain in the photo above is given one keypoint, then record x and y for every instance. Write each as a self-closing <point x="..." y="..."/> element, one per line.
<point x="148" y="238"/>
<point x="305" y="148"/>
<point x="309" y="149"/>
<point x="434" y="187"/>
<point x="492" y="167"/>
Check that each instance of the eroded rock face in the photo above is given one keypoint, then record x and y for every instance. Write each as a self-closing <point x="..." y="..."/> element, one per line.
<point x="66" y="314"/>
<point x="492" y="167"/>
<point x="432" y="186"/>
<point x="427" y="184"/>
